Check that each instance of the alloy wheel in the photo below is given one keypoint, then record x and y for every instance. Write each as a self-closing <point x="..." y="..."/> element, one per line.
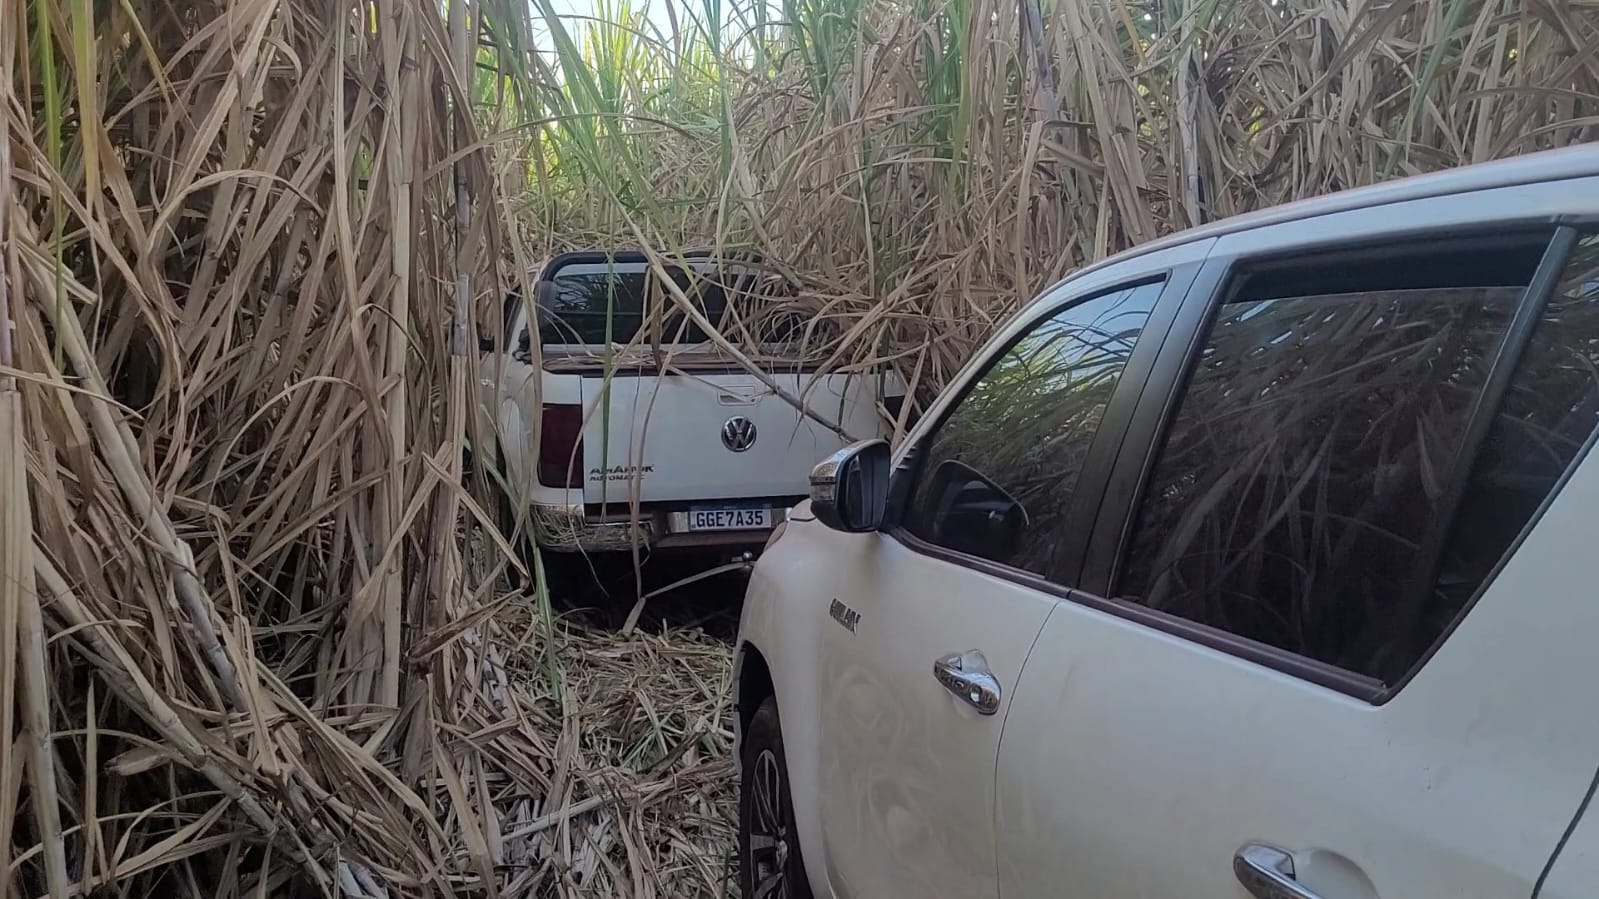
<point x="769" y="835"/>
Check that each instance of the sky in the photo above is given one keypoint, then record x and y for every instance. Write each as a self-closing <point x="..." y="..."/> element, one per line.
<point x="572" y="11"/>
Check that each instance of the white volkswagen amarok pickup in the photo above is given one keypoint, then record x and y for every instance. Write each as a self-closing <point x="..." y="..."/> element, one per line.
<point x="609" y="437"/>
<point x="1257" y="561"/>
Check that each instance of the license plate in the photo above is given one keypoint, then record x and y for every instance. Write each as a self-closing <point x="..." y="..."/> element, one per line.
<point x="729" y="519"/>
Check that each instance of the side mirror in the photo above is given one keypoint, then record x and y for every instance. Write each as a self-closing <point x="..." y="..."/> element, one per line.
<point x="849" y="489"/>
<point x="972" y="514"/>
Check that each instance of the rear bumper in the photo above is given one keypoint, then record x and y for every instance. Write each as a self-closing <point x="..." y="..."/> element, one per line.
<point x="575" y="529"/>
<point x="567" y="529"/>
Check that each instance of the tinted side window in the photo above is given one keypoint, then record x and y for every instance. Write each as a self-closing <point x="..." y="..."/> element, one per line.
<point x="996" y="479"/>
<point x="1313" y="450"/>
<point x="585" y="294"/>
<point x="707" y="291"/>
<point x="1548" y="414"/>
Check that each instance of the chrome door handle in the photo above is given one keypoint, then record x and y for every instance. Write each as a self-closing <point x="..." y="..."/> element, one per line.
<point x="1268" y="873"/>
<point x="966" y="675"/>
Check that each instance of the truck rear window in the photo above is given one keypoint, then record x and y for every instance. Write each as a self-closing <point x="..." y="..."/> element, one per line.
<point x="590" y="297"/>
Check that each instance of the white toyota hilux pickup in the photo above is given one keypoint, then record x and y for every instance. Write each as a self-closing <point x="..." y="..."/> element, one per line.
<point x="617" y="421"/>
<point x="1255" y="561"/>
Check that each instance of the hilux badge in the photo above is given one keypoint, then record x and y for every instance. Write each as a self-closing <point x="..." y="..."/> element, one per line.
<point x="844" y="615"/>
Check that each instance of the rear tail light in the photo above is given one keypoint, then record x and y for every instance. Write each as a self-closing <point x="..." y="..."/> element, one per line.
<point x="561" y="446"/>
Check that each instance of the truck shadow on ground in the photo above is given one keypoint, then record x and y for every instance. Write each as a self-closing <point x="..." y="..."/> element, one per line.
<point x="683" y="592"/>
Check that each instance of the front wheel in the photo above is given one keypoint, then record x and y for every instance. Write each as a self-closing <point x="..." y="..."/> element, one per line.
<point x="769" y="860"/>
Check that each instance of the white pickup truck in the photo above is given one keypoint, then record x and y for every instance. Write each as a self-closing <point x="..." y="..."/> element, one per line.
<point x="608" y="437"/>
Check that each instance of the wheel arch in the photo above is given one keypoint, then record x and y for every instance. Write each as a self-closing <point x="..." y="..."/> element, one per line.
<point x="752" y="684"/>
<point x="778" y="650"/>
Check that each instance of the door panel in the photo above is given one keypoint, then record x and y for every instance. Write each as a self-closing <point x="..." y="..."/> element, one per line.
<point x="983" y="535"/>
<point x="1135" y="762"/>
<point x="1575" y="870"/>
<point x="1156" y="735"/>
<point x="907" y="768"/>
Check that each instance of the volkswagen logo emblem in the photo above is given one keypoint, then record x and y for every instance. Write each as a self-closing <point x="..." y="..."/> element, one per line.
<point x="738" y="434"/>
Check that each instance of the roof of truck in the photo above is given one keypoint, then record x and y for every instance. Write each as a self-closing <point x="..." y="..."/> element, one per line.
<point x="1550" y="165"/>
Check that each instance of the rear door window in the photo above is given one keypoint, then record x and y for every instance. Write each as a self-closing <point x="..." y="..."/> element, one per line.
<point x="1548" y="415"/>
<point x="1304" y="497"/>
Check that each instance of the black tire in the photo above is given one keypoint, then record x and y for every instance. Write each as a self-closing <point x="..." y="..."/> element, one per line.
<point x="769" y="862"/>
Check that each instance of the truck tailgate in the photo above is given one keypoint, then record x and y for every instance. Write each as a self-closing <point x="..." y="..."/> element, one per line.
<point x="664" y="434"/>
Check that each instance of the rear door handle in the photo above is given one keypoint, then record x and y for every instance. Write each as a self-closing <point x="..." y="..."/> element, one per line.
<point x="1268" y="873"/>
<point x="966" y="675"/>
<point x="737" y="395"/>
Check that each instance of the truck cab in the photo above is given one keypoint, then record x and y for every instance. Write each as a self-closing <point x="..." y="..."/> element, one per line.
<point x="618" y="420"/>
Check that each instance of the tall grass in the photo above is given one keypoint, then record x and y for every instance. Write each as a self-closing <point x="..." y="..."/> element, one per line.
<point x="243" y="246"/>
<point x="242" y="242"/>
<point x="925" y="167"/>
